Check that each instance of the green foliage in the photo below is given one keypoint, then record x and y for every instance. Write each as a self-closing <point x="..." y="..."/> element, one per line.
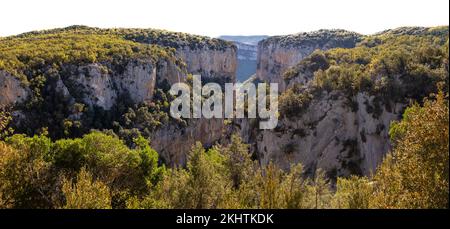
<point x="226" y="177"/>
<point x="25" y="175"/>
<point x="205" y="185"/>
<point x="145" y="118"/>
<point x="85" y="193"/>
<point x="99" y="170"/>
<point x="147" y="36"/>
<point x="394" y="66"/>
<point x="353" y="192"/>
<point x="41" y="59"/>
<point x="294" y="102"/>
<point x="238" y="161"/>
<point x="416" y="174"/>
<point x="334" y="38"/>
<point x="5" y="118"/>
<point x="30" y="56"/>
<point x="31" y="178"/>
<point x="315" y="61"/>
<point x="295" y="189"/>
<point x="110" y="160"/>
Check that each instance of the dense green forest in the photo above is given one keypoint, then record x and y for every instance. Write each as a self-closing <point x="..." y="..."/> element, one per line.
<point x="105" y="160"/>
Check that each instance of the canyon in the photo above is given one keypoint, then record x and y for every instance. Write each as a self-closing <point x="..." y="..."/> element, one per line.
<point x="330" y="134"/>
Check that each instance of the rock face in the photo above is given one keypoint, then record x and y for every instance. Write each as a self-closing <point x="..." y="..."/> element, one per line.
<point x="331" y="136"/>
<point x="277" y="54"/>
<point x="108" y="85"/>
<point x="219" y="65"/>
<point x="339" y="137"/>
<point x="96" y="85"/>
<point x="11" y="91"/>
<point x="173" y="142"/>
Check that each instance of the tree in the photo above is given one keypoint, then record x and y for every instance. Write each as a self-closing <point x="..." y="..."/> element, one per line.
<point x="5" y="118"/>
<point x="238" y="161"/>
<point x="320" y="190"/>
<point x="85" y="192"/>
<point x="416" y="173"/>
<point x="295" y="188"/>
<point x="270" y="183"/>
<point x="26" y="180"/>
<point x="205" y="185"/>
<point x="354" y="192"/>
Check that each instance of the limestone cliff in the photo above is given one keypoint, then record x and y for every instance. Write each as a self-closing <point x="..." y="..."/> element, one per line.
<point x="342" y="127"/>
<point x="331" y="136"/>
<point x="276" y="54"/>
<point x="219" y="65"/>
<point x="73" y="95"/>
<point x="11" y="91"/>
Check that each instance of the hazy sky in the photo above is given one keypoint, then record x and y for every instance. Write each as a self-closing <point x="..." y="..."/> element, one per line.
<point x="220" y="17"/>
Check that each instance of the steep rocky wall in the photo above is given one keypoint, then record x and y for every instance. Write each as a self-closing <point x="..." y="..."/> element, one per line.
<point x="11" y="90"/>
<point x="276" y="54"/>
<point x="331" y="136"/>
<point x="172" y="142"/>
<point x="103" y="85"/>
<point x="210" y="63"/>
<point x="98" y="85"/>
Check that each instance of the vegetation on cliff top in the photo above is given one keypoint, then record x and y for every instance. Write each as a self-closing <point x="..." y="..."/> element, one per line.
<point x="147" y="36"/>
<point x="320" y="38"/>
<point x="34" y="54"/>
<point x="393" y="66"/>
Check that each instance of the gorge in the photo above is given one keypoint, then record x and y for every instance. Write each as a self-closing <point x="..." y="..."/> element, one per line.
<point x="329" y="118"/>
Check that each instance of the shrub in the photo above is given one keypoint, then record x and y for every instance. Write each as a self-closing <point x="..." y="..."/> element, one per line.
<point x="85" y="192"/>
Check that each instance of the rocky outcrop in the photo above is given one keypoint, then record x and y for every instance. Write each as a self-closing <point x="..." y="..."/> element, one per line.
<point x="218" y="65"/>
<point x="98" y="85"/>
<point x="11" y="90"/>
<point x="276" y="54"/>
<point x="173" y="142"/>
<point x="331" y="135"/>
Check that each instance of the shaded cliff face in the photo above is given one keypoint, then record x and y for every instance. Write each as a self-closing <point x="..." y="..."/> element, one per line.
<point x="277" y="54"/>
<point x="173" y="142"/>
